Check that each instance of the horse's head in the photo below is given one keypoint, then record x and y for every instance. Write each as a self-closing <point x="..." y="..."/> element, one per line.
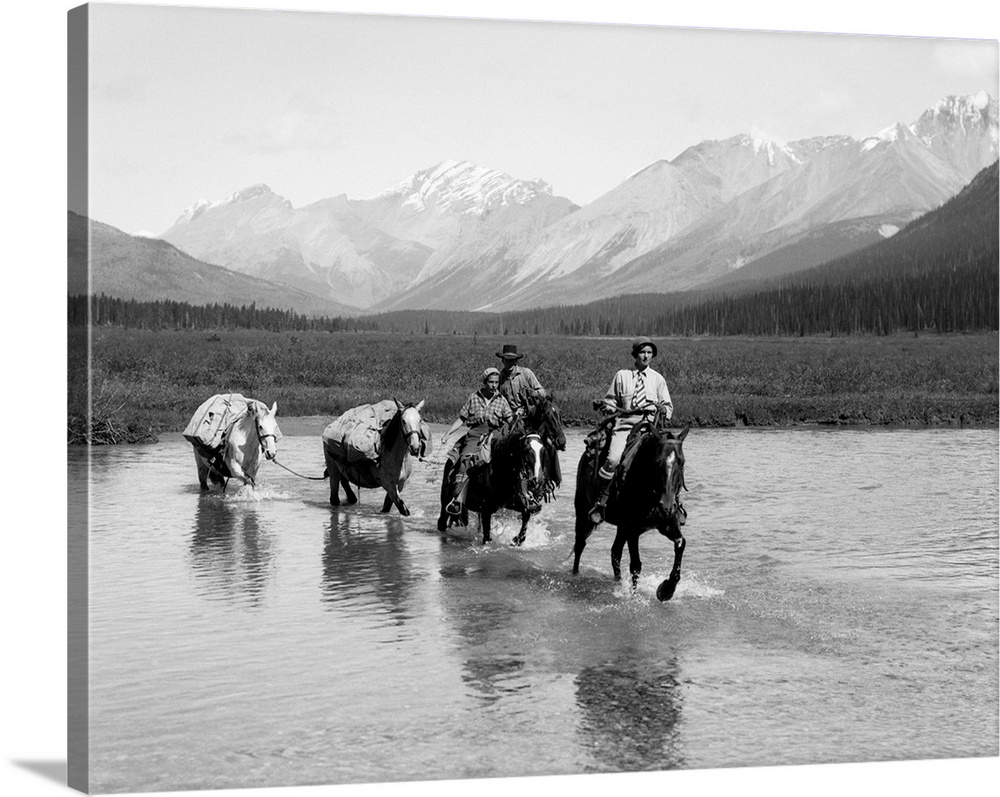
<point x="266" y="424"/>
<point x="415" y="431"/>
<point x="543" y="416"/>
<point x="669" y="460"/>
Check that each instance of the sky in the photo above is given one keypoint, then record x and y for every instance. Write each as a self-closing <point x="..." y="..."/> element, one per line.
<point x="196" y="103"/>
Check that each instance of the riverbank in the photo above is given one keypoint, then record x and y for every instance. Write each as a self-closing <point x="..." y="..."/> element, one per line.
<point x="149" y="382"/>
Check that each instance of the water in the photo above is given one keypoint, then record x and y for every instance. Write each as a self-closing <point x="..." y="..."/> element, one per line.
<point x="838" y="603"/>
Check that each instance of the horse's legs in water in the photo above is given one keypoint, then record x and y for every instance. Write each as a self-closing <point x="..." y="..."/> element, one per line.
<point x="616" y="553"/>
<point x="445" y="495"/>
<point x="583" y="529"/>
<point x="666" y="589"/>
<point x="350" y="496"/>
<point x="485" y="519"/>
<point x="202" y="470"/>
<point x="634" y="562"/>
<point x="404" y="510"/>
<point x="519" y="539"/>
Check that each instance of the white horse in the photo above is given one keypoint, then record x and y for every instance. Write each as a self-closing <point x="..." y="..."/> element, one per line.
<point x="404" y="437"/>
<point x="251" y="430"/>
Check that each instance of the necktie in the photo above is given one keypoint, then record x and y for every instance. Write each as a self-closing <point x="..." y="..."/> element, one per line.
<point x="639" y="396"/>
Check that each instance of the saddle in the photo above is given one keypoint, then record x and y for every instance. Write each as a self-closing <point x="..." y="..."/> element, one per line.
<point x="596" y="448"/>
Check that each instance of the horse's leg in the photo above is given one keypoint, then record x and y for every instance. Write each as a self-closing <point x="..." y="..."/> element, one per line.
<point x="634" y="562"/>
<point x="202" y="470"/>
<point x="583" y="529"/>
<point x="665" y="591"/>
<point x="333" y="473"/>
<point x="485" y="518"/>
<point x="392" y="497"/>
<point x="519" y="539"/>
<point x="616" y="552"/>
<point x="349" y="495"/>
<point x="442" y="523"/>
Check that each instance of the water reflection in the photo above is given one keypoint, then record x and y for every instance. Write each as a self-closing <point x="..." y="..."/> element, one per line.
<point x="483" y="602"/>
<point x="364" y="556"/>
<point x="630" y="714"/>
<point x="231" y="555"/>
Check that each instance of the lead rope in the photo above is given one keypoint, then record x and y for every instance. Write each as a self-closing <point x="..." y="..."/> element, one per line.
<point x="324" y="477"/>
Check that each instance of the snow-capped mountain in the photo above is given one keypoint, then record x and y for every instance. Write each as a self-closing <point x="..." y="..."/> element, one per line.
<point x="461" y="236"/>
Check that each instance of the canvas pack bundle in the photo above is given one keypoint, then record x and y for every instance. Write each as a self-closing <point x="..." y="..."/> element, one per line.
<point x="214" y="418"/>
<point x="357" y="433"/>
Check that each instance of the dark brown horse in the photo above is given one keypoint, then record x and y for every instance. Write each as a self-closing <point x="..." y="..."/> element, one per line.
<point x="645" y="496"/>
<point x="523" y="470"/>
<point x="405" y="437"/>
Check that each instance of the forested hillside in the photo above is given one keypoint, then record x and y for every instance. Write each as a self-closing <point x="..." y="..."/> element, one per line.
<point x="940" y="274"/>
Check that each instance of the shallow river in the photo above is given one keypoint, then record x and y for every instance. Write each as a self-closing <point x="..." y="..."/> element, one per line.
<point x="838" y="603"/>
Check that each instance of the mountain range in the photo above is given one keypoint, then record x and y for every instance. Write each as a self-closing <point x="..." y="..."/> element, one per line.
<point x="461" y="236"/>
<point x="103" y="259"/>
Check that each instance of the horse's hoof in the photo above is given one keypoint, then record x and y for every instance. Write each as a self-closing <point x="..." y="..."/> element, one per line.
<point x="487" y="538"/>
<point x="665" y="591"/>
<point x="442" y="523"/>
<point x="518" y="541"/>
<point x="404" y="510"/>
<point x="350" y="501"/>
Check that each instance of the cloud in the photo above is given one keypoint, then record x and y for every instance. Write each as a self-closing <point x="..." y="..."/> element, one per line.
<point x="967" y="58"/>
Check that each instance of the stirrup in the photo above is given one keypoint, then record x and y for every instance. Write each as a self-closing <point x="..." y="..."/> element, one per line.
<point x="596" y="514"/>
<point x="454" y="507"/>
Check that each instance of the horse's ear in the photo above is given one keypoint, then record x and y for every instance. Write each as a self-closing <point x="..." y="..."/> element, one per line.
<point x="419" y="406"/>
<point x="684" y="433"/>
<point x="274" y="408"/>
<point x="399" y="404"/>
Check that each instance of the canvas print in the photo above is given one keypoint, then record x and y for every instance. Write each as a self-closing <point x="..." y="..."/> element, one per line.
<point x="463" y="398"/>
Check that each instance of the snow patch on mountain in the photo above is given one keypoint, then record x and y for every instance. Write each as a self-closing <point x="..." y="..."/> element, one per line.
<point x="462" y="187"/>
<point x="244" y="194"/>
<point x="892" y="134"/>
<point x="888" y="230"/>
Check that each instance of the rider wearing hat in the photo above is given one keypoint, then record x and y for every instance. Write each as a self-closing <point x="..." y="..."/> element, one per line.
<point x="639" y="393"/>
<point x="517" y="383"/>
<point x="485" y="410"/>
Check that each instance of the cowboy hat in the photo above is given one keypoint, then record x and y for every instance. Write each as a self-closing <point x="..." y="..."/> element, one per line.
<point x="638" y="343"/>
<point x="509" y="352"/>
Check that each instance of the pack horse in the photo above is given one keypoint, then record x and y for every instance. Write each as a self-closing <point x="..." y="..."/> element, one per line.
<point x="373" y="445"/>
<point x="228" y="433"/>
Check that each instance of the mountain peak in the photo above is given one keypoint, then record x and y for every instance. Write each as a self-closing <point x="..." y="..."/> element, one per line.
<point x="195" y="210"/>
<point x="463" y="187"/>
<point x="891" y="134"/>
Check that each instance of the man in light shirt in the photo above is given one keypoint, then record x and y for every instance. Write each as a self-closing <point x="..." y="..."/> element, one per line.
<point x="638" y="393"/>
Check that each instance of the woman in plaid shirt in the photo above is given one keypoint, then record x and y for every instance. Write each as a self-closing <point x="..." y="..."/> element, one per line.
<point x="485" y="411"/>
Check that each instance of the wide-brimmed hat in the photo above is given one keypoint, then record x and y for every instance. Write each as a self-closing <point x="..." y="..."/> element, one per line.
<point x="638" y="343"/>
<point x="509" y="352"/>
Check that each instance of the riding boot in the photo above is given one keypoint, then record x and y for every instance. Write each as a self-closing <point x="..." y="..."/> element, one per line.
<point x="603" y="487"/>
<point x="457" y="503"/>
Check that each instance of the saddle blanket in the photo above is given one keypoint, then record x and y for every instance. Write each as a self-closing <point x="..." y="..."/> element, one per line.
<point x="213" y="419"/>
<point x="357" y="434"/>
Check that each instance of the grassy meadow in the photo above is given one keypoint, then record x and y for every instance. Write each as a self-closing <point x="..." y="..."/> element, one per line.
<point x="146" y="382"/>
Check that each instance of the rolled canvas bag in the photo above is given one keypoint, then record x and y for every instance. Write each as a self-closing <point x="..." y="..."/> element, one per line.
<point x="357" y="434"/>
<point x="213" y="419"/>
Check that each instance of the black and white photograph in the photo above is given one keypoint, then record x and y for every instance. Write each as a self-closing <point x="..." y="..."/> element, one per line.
<point x="477" y="397"/>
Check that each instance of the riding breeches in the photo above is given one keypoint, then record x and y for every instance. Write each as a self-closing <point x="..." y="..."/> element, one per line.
<point x="619" y="436"/>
